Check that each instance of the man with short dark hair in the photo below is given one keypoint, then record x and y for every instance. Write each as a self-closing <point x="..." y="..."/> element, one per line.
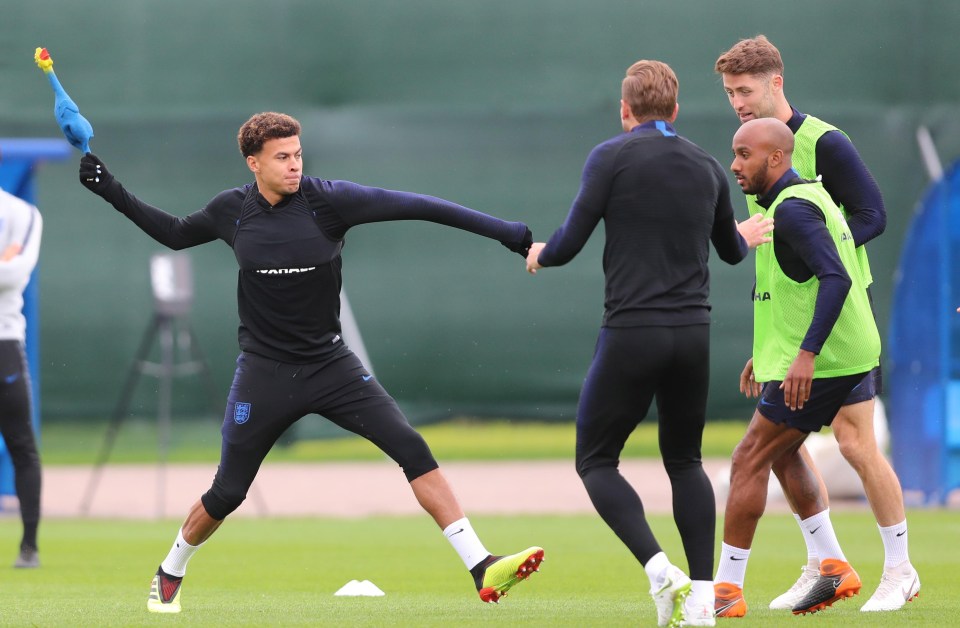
<point x="287" y="231"/>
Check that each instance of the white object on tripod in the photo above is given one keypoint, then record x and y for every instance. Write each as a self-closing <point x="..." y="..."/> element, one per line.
<point x="171" y="277"/>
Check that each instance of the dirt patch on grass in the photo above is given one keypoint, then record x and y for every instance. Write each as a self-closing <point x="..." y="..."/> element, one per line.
<point x="349" y="489"/>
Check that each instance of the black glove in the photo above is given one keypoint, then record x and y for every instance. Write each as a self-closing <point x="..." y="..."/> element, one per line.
<point x="523" y="247"/>
<point x="94" y="175"/>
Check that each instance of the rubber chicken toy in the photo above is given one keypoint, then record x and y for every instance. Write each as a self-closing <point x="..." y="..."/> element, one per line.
<point x="76" y="128"/>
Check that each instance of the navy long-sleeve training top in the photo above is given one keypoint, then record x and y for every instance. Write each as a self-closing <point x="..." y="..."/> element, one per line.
<point x="288" y="289"/>
<point x="662" y="200"/>
<point x="849" y="182"/>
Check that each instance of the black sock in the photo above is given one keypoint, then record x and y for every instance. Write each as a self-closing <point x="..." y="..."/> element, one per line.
<point x="29" y="540"/>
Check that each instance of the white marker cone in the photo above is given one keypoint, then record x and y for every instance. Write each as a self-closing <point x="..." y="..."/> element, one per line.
<point x="355" y="588"/>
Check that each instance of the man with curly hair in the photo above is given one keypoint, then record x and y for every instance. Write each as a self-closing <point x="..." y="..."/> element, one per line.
<point x="287" y="231"/>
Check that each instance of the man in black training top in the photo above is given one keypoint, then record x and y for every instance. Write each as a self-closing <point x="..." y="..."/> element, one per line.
<point x="662" y="200"/>
<point x="287" y="231"/>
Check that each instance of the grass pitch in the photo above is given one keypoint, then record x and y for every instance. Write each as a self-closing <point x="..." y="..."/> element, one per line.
<point x="198" y="440"/>
<point x="284" y="573"/>
<point x="263" y="572"/>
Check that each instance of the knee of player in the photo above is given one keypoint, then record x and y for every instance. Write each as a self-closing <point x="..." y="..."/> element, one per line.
<point x="413" y="455"/>
<point x="418" y="468"/>
<point x="682" y="466"/>
<point x="26" y="462"/>
<point x="582" y="469"/>
<point x="587" y="464"/>
<point x="747" y="459"/>
<point x="857" y="451"/>
<point x="220" y="502"/>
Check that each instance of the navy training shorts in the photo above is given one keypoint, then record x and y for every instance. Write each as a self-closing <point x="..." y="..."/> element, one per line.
<point x="827" y="395"/>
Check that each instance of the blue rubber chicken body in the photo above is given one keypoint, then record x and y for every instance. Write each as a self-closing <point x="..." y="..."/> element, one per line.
<point x="76" y="128"/>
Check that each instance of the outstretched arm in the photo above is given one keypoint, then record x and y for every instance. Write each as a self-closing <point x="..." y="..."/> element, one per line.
<point x="585" y="212"/>
<point x="169" y="230"/>
<point x="358" y="204"/>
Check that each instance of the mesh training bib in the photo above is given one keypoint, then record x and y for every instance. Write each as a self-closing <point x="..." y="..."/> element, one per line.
<point x="783" y="308"/>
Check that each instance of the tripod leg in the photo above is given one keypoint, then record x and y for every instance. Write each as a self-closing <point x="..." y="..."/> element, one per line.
<point x="196" y="355"/>
<point x="164" y="404"/>
<point x="119" y="413"/>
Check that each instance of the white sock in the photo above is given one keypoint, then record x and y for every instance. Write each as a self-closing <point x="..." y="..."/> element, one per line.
<point x="175" y="564"/>
<point x="733" y="565"/>
<point x="813" y="561"/>
<point x="655" y="569"/>
<point x="701" y="593"/>
<point x="466" y="542"/>
<point x="894" y="544"/>
<point x="820" y="529"/>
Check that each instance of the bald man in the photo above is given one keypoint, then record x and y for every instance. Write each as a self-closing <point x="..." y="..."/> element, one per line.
<point x="752" y="72"/>
<point x="814" y="340"/>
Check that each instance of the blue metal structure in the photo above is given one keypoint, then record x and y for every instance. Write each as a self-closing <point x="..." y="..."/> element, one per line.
<point x="924" y="347"/>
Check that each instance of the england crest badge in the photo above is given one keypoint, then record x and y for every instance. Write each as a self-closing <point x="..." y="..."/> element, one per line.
<point x="241" y="412"/>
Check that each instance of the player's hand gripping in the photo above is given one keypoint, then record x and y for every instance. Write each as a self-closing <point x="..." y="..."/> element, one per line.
<point x="94" y="174"/>
<point x="533" y="257"/>
<point x="755" y="229"/>
<point x="748" y="385"/>
<point x="523" y="246"/>
<point x="798" y="380"/>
